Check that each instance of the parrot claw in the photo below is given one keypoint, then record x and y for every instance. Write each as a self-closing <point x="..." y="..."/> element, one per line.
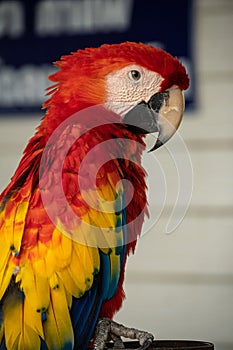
<point x="107" y="329"/>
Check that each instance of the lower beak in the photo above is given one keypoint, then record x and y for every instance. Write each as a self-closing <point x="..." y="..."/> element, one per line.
<point x="162" y="113"/>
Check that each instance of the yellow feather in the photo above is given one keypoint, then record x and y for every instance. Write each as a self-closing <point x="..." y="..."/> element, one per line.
<point x="42" y="249"/>
<point x="102" y="219"/>
<point x="95" y="256"/>
<point x="85" y="247"/>
<point x="35" y="287"/>
<point x="7" y="229"/>
<point x="57" y="327"/>
<point x="107" y="207"/>
<point x="19" y="223"/>
<point x="45" y="262"/>
<point x="90" y="234"/>
<point x="69" y="299"/>
<point x="88" y="256"/>
<point x="79" y="272"/>
<point x="14" y="221"/>
<point x="82" y="254"/>
<point x="62" y="246"/>
<point x="12" y="314"/>
<point x="39" y="266"/>
<point x="51" y="262"/>
<point x="107" y="192"/>
<point x="110" y="237"/>
<point x="83" y="233"/>
<point x="54" y="281"/>
<point x="115" y="264"/>
<point x="104" y="228"/>
<point x="32" y="319"/>
<point x="5" y="277"/>
<point x="28" y="339"/>
<point x="70" y="284"/>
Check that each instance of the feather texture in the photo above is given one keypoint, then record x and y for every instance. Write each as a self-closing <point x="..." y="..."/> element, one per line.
<point x="62" y="262"/>
<point x="64" y="273"/>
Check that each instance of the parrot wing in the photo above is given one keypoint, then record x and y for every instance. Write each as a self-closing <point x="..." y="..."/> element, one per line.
<point x="53" y="283"/>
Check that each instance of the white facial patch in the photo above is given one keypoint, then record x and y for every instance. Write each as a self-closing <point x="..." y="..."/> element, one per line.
<point x="129" y="86"/>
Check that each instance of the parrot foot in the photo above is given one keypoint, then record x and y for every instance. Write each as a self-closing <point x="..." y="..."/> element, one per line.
<point x="107" y="329"/>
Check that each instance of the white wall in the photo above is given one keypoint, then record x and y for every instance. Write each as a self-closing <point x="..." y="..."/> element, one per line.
<point x="181" y="285"/>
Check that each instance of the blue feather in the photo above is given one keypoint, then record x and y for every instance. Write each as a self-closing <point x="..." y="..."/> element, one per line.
<point x="85" y="323"/>
<point x="78" y="305"/>
<point x="3" y="345"/>
<point x="105" y="274"/>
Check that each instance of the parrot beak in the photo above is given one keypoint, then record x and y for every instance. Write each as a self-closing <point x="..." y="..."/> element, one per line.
<point x="162" y="113"/>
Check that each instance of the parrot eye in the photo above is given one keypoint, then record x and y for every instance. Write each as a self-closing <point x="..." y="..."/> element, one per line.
<point x="135" y="75"/>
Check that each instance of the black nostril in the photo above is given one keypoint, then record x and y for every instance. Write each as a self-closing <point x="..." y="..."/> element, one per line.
<point x="156" y="101"/>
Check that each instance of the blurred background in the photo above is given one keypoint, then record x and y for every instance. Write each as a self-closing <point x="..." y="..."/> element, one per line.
<point x="178" y="285"/>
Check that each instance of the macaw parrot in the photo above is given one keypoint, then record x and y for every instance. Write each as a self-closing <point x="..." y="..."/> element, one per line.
<point x="66" y="229"/>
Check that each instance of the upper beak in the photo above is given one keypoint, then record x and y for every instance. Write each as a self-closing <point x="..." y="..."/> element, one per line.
<point x="162" y="113"/>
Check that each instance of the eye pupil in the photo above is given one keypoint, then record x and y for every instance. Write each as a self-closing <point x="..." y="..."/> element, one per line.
<point x="135" y="74"/>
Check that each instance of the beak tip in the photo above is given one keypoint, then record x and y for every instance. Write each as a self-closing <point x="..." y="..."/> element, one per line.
<point x="156" y="146"/>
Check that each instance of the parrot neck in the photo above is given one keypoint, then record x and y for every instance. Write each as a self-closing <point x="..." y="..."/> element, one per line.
<point x="54" y="116"/>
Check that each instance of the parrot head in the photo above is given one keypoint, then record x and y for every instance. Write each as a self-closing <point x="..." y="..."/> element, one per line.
<point x="142" y="84"/>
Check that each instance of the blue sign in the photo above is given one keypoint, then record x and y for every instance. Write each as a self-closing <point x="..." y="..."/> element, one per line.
<point x="33" y="34"/>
